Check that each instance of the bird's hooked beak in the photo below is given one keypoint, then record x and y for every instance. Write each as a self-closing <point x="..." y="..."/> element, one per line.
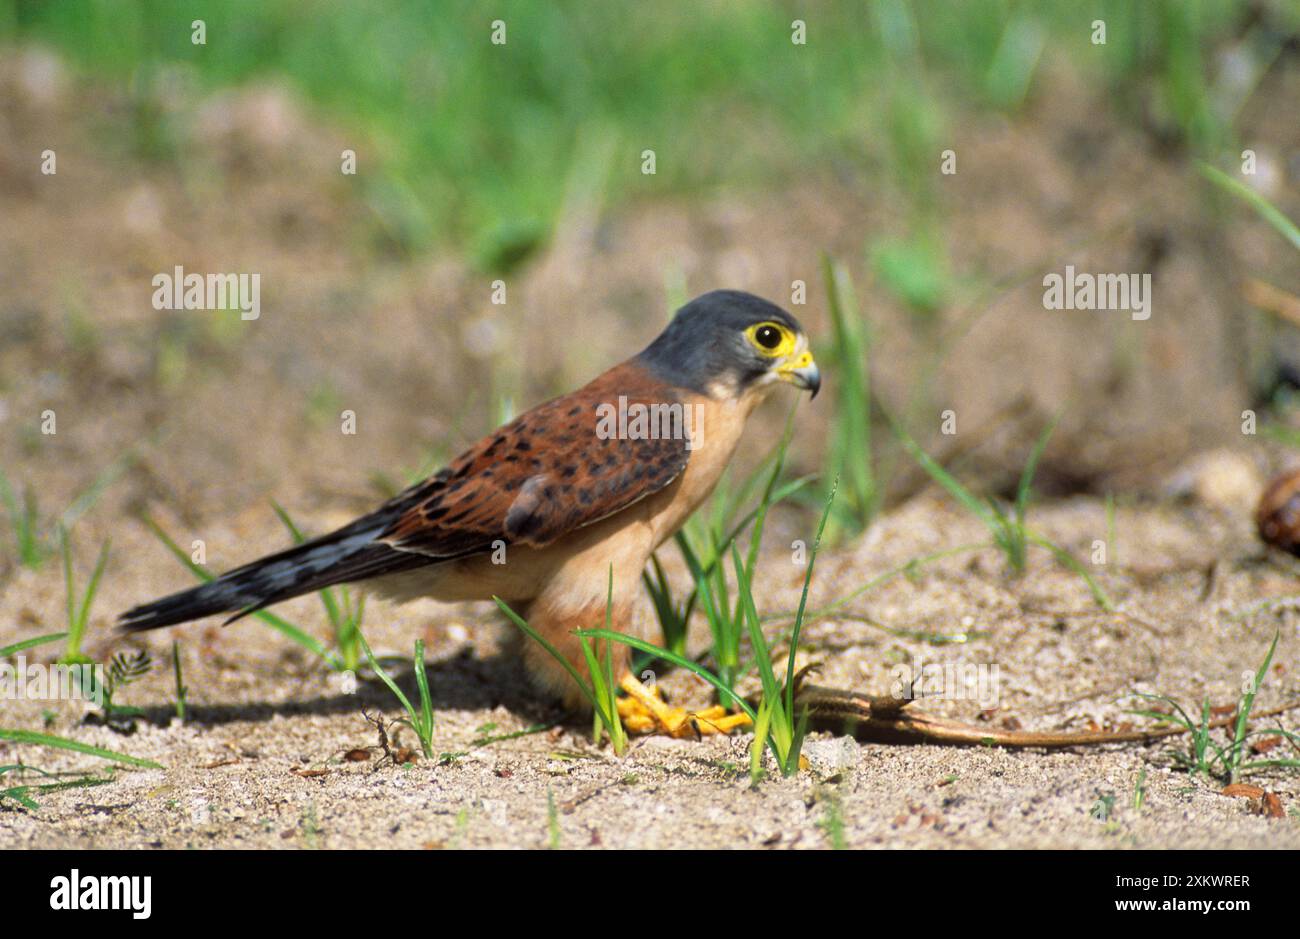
<point x="801" y="371"/>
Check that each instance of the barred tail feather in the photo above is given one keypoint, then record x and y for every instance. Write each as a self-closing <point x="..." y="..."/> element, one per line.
<point x="345" y="555"/>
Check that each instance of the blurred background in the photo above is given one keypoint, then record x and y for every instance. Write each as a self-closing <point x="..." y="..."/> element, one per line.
<point x="777" y="163"/>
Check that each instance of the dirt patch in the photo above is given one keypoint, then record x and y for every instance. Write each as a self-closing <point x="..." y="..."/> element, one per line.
<point x="262" y="761"/>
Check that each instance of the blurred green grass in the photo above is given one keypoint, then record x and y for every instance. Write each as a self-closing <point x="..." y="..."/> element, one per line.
<point x="481" y="144"/>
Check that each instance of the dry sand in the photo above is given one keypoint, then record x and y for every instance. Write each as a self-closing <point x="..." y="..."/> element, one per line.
<point x="260" y="762"/>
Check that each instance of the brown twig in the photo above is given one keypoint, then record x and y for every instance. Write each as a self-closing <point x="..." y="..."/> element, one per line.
<point x="1272" y="299"/>
<point x="886" y="719"/>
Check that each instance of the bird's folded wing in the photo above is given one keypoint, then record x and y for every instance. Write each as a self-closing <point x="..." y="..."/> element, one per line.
<point x="563" y="465"/>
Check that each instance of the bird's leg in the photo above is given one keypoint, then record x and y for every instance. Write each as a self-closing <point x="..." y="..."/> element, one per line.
<point x="557" y="617"/>
<point x="644" y="711"/>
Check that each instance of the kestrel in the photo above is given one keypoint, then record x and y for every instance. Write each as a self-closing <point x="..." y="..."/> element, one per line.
<point x="539" y="511"/>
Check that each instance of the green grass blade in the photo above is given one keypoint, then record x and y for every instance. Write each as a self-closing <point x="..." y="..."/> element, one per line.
<point x="760" y="517"/>
<point x="17" y="647"/>
<point x="537" y="637"/>
<point x="83" y="615"/>
<point x="294" y="531"/>
<point x="803" y="600"/>
<point x="605" y="711"/>
<point x="202" y="573"/>
<point x="761" y="652"/>
<point x="181" y="690"/>
<point x="851" y="438"/>
<point x="671" y="657"/>
<point x="62" y="743"/>
<point x="70" y="596"/>
<point x="615" y="722"/>
<point x="426" y="699"/>
<point x="782" y="724"/>
<point x="1266" y="210"/>
<point x="383" y="676"/>
<point x="762" y="733"/>
<point x="1068" y="560"/>
<point x="599" y="690"/>
<point x="1244" y="709"/>
<point x="671" y="622"/>
<point x="326" y="594"/>
<point x="888" y="575"/>
<point x="107" y="476"/>
<point x="19" y="795"/>
<point x="290" y="631"/>
<point x="1031" y="467"/>
<point x="949" y="482"/>
<point x="23" y="521"/>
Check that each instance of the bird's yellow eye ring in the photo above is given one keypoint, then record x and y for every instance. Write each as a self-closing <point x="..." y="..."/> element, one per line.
<point x="771" y="339"/>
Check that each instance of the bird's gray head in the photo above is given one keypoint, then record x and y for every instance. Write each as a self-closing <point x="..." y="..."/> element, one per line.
<point x="732" y="343"/>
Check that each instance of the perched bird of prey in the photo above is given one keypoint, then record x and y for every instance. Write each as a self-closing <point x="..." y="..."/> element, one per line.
<point x="539" y="511"/>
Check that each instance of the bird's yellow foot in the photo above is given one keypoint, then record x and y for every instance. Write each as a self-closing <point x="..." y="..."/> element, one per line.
<point x="644" y="711"/>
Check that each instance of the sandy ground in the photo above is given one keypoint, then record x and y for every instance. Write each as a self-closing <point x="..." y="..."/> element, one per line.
<point x="261" y="761"/>
<point x="200" y="423"/>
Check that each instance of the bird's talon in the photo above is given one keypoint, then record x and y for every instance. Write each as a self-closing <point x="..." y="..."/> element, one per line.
<point x="644" y="712"/>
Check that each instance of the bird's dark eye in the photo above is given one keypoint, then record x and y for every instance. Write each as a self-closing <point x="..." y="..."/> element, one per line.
<point x="769" y="337"/>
